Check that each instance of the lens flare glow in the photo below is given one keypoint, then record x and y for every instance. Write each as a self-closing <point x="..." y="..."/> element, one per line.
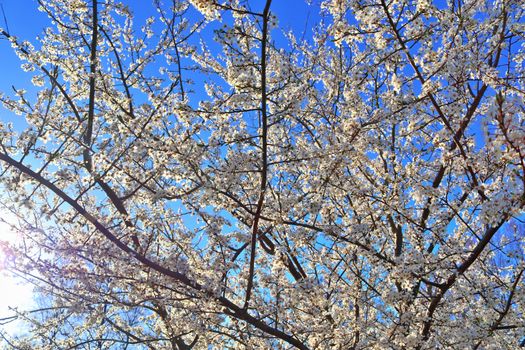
<point x="15" y="294"/>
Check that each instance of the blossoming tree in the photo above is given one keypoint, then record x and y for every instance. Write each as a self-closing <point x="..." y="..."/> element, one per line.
<point x="208" y="179"/>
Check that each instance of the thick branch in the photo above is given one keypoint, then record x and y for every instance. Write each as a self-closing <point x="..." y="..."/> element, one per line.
<point x="264" y="170"/>
<point x="231" y="308"/>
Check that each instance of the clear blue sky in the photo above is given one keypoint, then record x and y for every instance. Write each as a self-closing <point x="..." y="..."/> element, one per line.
<point x="26" y="22"/>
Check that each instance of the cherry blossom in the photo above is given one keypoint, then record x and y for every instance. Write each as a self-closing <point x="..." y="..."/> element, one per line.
<point x="214" y="180"/>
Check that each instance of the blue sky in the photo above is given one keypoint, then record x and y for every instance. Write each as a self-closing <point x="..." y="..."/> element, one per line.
<point x="25" y="22"/>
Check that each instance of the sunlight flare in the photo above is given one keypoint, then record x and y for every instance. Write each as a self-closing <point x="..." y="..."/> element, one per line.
<point x="15" y="293"/>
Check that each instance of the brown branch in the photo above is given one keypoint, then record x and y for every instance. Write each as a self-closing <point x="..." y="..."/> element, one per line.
<point x="264" y="170"/>
<point x="478" y="249"/>
<point x="496" y="325"/>
<point x="230" y="308"/>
